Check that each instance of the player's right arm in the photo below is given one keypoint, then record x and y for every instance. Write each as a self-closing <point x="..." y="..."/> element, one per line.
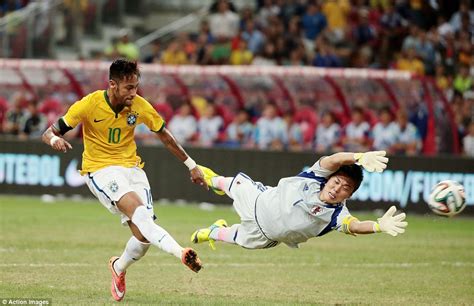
<point x="371" y="161"/>
<point x="53" y="135"/>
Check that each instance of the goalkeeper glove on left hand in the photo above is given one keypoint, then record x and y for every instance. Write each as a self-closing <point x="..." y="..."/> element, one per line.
<point x="390" y="224"/>
<point x="372" y="161"/>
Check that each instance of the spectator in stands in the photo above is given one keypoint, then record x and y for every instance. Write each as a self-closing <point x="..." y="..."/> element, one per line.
<point x="383" y="133"/>
<point x="468" y="141"/>
<point x="441" y="79"/>
<point x="241" y="55"/>
<point x="125" y="47"/>
<point x="313" y="22"/>
<point x="456" y="18"/>
<point x="155" y="56"/>
<point x="174" y="54"/>
<point x="418" y="115"/>
<point x="408" y="61"/>
<point x="336" y="12"/>
<point x="426" y="51"/>
<point x="15" y="121"/>
<point x="254" y="37"/>
<point x="364" y="33"/>
<point x="224" y="24"/>
<point x="267" y="57"/>
<point x="325" y="55"/>
<point x="35" y="124"/>
<point x="464" y="48"/>
<point x="266" y="12"/>
<point x="294" y="133"/>
<point x="209" y="127"/>
<point x="239" y="132"/>
<point x="293" y="36"/>
<point x="270" y="131"/>
<point x="204" y="51"/>
<point x="407" y="138"/>
<point x="392" y="32"/>
<point x="356" y="133"/>
<point x="297" y="57"/>
<point x="463" y="81"/>
<point x="205" y="31"/>
<point x="412" y="40"/>
<point x="328" y="134"/>
<point x="183" y="125"/>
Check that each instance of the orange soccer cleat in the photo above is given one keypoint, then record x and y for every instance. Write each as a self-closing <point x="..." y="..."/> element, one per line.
<point x="117" y="288"/>
<point x="191" y="260"/>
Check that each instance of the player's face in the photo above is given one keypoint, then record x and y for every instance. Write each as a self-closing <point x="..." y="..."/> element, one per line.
<point x="125" y="90"/>
<point x="337" y="189"/>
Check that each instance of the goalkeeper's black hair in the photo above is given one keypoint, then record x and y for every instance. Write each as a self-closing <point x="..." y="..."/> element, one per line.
<point x="122" y="69"/>
<point x="352" y="171"/>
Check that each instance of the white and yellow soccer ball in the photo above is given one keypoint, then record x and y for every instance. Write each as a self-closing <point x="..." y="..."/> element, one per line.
<point x="447" y="198"/>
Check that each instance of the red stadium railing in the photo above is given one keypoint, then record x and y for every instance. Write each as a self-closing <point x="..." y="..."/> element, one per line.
<point x="234" y="87"/>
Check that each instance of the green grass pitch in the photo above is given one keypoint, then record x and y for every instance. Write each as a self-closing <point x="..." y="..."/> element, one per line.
<point x="60" y="251"/>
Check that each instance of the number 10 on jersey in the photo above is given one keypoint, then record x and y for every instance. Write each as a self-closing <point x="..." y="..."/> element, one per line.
<point x="114" y="135"/>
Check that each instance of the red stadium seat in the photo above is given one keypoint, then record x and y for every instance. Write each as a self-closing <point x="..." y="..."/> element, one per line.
<point x="225" y="113"/>
<point x="3" y="111"/>
<point x="165" y="110"/>
<point x="308" y="119"/>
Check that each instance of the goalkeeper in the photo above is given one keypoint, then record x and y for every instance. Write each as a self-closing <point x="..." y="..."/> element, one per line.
<point x="310" y="204"/>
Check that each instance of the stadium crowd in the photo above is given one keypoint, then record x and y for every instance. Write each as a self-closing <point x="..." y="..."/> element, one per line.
<point x="429" y="38"/>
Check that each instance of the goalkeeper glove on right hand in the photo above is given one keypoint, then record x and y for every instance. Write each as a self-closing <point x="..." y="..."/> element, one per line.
<point x="372" y="161"/>
<point x="390" y="224"/>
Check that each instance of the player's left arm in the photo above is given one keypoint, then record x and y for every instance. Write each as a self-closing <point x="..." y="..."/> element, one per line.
<point x="389" y="223"/>
<point x="177" y="150"/>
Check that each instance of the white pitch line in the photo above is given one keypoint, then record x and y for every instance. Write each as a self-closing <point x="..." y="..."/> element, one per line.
<point x="250" y="265"/>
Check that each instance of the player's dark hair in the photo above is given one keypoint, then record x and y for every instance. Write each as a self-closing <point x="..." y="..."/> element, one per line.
<point x="122" y="69"/>
<point x="354" y="172"/>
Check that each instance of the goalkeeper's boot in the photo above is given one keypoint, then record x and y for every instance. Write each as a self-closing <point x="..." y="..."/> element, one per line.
<point x="208" y="175"/>
<point x="190" y="259"/>
<point x="117" y="288"/>
<point x="202" y="235"/>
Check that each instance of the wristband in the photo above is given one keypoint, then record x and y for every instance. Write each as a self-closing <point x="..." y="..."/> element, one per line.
<point x="376" y="228"/>
<point x="53" y="140"/>
<point x="190" y="163"/>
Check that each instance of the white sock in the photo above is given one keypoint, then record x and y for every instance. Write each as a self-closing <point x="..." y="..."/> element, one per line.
<point x="134" y="250"/>
<point x="226" y="234"/>
<point x="154" y="233"/>
<point x="223" y="183"/>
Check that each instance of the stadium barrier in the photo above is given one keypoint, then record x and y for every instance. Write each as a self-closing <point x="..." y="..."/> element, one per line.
<point x="32" y="168"/>
<point x="234" y="87"/>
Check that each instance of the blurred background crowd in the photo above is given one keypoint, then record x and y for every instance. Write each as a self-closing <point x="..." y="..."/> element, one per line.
<point x="432" y="39"/>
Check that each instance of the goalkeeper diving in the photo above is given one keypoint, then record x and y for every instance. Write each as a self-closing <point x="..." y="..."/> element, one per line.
<point x="310" y="204"/>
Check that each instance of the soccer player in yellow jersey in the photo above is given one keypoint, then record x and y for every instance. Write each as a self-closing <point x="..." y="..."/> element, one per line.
<point x="113" y="170"/>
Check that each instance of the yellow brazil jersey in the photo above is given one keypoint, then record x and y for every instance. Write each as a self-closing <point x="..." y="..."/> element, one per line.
<point x="109" y="136"/>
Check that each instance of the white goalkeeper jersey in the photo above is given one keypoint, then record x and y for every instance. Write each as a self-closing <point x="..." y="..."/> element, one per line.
<point x="292" y="212"/>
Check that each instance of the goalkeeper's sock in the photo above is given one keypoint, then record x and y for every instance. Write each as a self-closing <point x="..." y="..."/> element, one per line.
<point x="223" y="183"/>
<point x="134" y="250"/>
<point x="154" y="233"/>
<point x="226" y="234"/>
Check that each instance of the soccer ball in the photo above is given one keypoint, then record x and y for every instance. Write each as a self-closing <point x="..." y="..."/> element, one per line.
<point x="447" y="198"/>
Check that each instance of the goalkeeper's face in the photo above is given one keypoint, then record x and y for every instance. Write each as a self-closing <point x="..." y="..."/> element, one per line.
<point x="337" y="189"/>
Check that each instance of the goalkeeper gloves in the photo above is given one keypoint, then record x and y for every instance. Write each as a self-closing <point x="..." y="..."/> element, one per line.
<point x="372" y="161"/>
<point x="390" y="224"/>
